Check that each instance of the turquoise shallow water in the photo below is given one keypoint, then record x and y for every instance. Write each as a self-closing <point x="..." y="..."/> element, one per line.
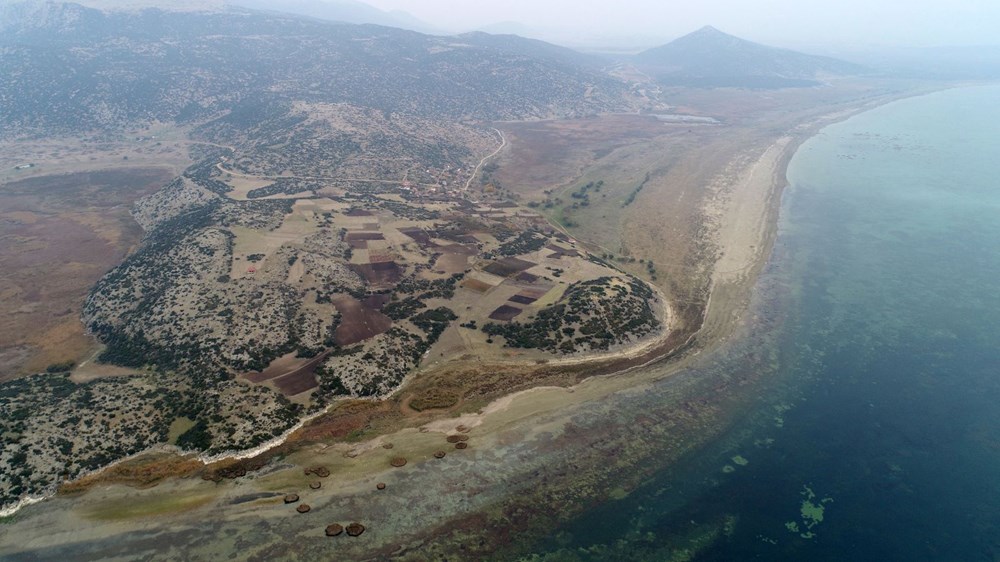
<point x="878" y="435"/>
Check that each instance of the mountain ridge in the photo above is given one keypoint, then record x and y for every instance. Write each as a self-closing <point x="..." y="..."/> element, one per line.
<point x="95" y="69"/>
<point x="709" y="57"/>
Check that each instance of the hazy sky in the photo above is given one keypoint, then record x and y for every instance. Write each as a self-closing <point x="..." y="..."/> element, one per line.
<point x="783" y="22"/>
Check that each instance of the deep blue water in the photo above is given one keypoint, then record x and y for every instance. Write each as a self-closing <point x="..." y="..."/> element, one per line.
<point x="879" y="438"/>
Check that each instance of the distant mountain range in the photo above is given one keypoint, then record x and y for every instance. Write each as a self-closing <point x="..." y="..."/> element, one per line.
<point x="71" y="67"/>
<point x="66" y="66"/>
<point x="711" y="58"/>
<point x="347" y="11"/>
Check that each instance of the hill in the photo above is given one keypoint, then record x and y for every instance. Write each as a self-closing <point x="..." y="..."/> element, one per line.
<point x="77" y="68"/>
<point x="711" y="58"/>
<point x="338" y="229"/>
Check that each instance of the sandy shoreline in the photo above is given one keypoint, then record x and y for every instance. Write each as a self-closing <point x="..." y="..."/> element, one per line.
<point x="746" y="207"/>
<point x="759" y="192"/>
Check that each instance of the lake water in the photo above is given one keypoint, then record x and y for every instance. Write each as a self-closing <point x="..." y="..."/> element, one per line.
<point x="877" y="436"/>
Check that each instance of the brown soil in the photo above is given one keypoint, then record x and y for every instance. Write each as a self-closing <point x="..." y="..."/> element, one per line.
<point x="508" y="266"/>
<point x="476" y="285"/>
<point x="296" y="383"/>
<point x="358" y="322"/>
<point x="521" y="299"/>
<point x="58" y="236"/>
<point x="380" y="275"/>
<point x="505" y="313"/>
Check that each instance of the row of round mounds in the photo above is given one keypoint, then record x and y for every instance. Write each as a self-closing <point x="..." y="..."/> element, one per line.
<point x="353" y="529"/>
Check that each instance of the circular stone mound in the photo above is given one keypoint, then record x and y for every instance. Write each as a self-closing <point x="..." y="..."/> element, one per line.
<point x="398" y="462"/>
<point x="355" y="529"/>
<point x="315" y="485"/>
<point x="334" y="530"/>
<point x="461" y="445"/>
<point x="380" y="485"/>
<point x="387" y="445"/>
<point x="291" y="498"/>
<point x="454" y="438"/>
<point x="303" y="508"/>
<point x="439" y="455"/>
<point x="321" y="471"/>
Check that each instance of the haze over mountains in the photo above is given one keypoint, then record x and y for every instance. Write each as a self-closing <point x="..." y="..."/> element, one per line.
<point x="347" y="11"/>
<point x="96" y="68"/>
<point x="200" y="59"/>
<point x="711" y="58"/>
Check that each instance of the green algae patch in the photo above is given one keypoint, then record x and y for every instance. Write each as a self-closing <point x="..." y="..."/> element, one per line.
<point x="618" y="494"/>
<point x="779" y="418"/>
<point x="739" y="460"/>
<point x="811" y="513"/>
<point x="728" y="469"/>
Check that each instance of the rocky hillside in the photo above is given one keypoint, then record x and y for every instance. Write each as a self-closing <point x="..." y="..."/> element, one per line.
<point x="68" y="67"/>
